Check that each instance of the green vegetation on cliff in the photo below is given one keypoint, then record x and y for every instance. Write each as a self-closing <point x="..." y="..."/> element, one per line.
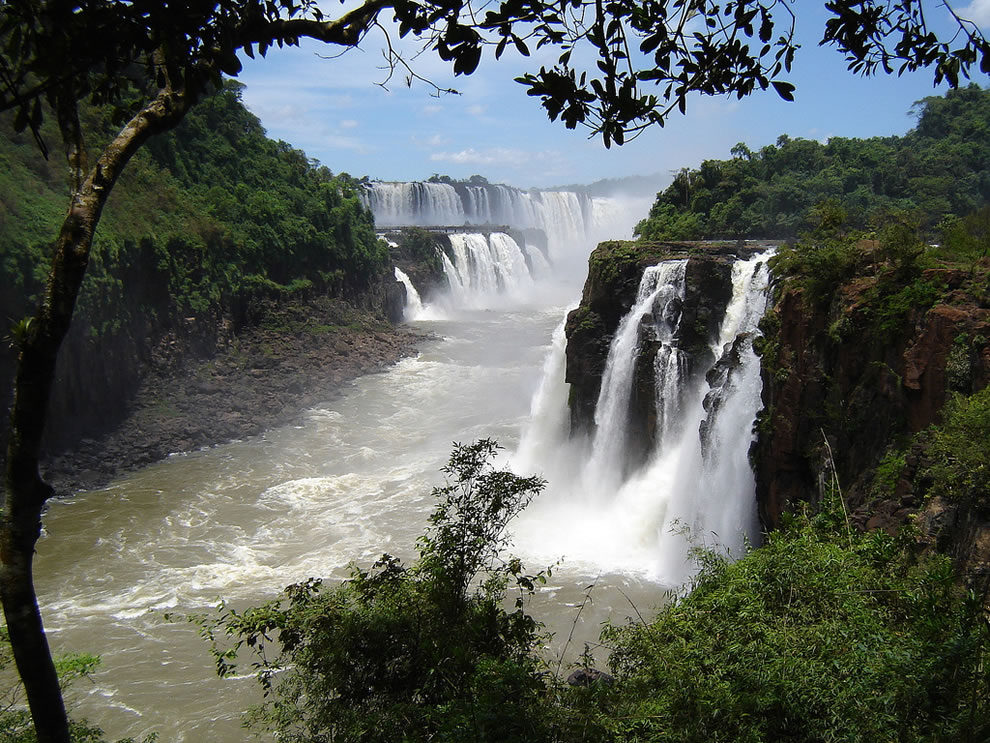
<point x="821" y="634"/>
<point x="213" y="221"/>
<point x="214" y="209"/>
<point x="940" y="168"/>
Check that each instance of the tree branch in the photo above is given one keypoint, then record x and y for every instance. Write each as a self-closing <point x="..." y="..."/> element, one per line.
<point x="344" y="31"/>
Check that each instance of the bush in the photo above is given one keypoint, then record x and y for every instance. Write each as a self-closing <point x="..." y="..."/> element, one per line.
<point x="959" y="451"/>
<point x="428" y="650"/>
<point x="820" y="635"/>
<point x="818" y="264"/>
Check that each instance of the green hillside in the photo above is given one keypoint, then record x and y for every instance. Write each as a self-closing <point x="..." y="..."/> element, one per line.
<point x="939" y="168"/>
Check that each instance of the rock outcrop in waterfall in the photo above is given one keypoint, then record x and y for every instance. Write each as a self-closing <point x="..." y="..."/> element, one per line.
<point x="662" y="390"/>
<point x="615" y="270"/>
<point x="854" y="378"/>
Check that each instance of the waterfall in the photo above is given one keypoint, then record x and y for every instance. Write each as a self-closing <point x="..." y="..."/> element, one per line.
<point x="414" y="305"/>
<point x="484" y="268"/>
<point x="552" y="235"/>
<point x="548" y="414"/>
<point x="696" y="487"/>
<point x="410" y="204"/>
<point x="661" y="291"/>
<point x="565" y="217"/>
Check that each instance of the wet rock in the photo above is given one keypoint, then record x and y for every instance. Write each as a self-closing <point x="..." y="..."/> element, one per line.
<point x="202" y="403"/>
<point x="615" y="271"/>
<point x="590" y="677"/>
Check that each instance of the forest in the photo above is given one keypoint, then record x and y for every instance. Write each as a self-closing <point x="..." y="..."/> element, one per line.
<point x="933" y="175"/>
<point x="195" y="251"/>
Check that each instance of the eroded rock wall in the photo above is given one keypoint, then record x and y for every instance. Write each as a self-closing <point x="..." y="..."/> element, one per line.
<point x="615" y="271"/>
<point x="842" y="387"/>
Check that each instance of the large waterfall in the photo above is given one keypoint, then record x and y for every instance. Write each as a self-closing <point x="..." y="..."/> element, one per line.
<point x="696" y="487"/>
<point x="568" y="220"/>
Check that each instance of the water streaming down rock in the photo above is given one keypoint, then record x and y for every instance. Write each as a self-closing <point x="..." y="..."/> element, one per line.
<point x="414" y="304"/>
<point x="696" y="486"/>
<point x="567" y="219"/>
<point x="657" y="307"/>
<point x="551" y="232"/>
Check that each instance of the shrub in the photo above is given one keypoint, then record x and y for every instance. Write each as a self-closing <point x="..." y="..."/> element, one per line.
<point x="820" y="635"/>
<point x="959" y="451"/>
<point x="428" y="650"/>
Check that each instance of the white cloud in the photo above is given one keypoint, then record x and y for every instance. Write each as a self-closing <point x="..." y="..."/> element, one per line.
<point x="504" y="156"/>
<point x="430" y="109"/>
<point x="476" y="110"/>
<point x="978" y="12"/>
<point x="348" y="124"/>
<point x="434" y="140"/>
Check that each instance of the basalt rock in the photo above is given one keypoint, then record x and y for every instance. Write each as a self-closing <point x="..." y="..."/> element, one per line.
<point x="417" y="252"/>
<point x="615" y="270"/>
<point x="841" y="390"/>
<point x="100" y="381"/>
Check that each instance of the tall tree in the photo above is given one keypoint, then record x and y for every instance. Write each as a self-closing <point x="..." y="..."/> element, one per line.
<point x="151" y="60"/>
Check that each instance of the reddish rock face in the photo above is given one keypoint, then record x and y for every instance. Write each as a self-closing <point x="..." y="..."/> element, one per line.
<point x="831" y="372"/>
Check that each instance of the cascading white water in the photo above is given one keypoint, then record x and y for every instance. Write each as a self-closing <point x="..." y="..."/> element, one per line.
<point x="415" y="204"/>
<point x="568" y="221"/>
<point x="483" y="268"/>
<point x="565" y="217"/>
<point x="647" y="522"/>
<point x="414" y="304"/>
<point x="661" y="290"/>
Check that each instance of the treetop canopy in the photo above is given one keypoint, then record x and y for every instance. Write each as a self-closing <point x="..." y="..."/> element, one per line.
<point x="648" y="55"/>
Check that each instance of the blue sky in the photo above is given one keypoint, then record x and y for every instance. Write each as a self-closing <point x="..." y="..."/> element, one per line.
<point x="335" y="111"/>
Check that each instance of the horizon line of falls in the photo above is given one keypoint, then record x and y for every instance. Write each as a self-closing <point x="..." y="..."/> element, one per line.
<point x="694" y="487"/>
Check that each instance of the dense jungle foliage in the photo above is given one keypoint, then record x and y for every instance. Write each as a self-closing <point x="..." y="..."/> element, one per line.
<point x="211" y="226"/>
<point x="939" y="168"/>
<point x="209" y="217"/>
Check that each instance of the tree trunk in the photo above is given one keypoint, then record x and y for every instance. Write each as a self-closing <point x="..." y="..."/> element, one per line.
<point x="26" y="492"/>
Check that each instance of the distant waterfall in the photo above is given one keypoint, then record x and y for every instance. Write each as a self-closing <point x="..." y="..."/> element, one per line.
<point x="696" y="487"/>
<point x="569" y="220"/>
<point x="415" y="203"/>
<point x="544" y="259"/>
<point x="484" y="266"/>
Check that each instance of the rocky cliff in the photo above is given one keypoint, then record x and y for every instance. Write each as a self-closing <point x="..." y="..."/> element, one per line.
<point x="852" y="381"/>
<point x="146" y="352"/>
<point x="614" y="272"/>
<point x="855" y="375"/>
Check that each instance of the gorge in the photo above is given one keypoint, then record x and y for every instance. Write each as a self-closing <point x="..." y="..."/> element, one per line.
<point x="345" y="481"/>
<point x="637" y="402"/>
<point x="350" y="478"/>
